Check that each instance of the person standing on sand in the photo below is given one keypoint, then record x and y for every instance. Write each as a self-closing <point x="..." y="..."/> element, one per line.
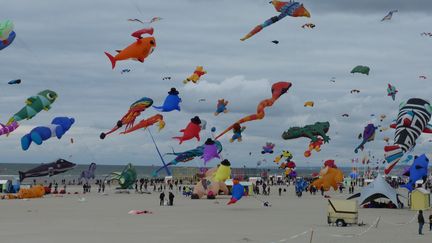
<point x="171" y="198"/>
<point x="162" y="197"/>
<point x="322" y="191"/>
<point x="421" y="221"/>
<point x="280" y="191"/>
<point x="430" y="222"/>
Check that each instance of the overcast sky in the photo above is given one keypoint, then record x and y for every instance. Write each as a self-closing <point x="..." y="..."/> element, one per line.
<point x="60" y="46"/>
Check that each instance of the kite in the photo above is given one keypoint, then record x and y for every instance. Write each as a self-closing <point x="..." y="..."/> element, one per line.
<point x="300" y="186"/>
<point x="426" y="34"/>
<point x="275" y="42"/>
<point x="49" y="169"/>
<point x="309" y="104"/>
<point x="34" y="105"/>
<point x="143" y="124"/>
<point x="289" y="167"/>
<point x="129" y="118"/>
<point x="138" y="34"/>
<point x="422" y="77"/>
<point x="7" y="35"/>
<point x="309" y="25"/>
<point x="138" y="50"/>
<point x="187" y="156"/>
<point x="386" y="139"/>
<point x="237" y="132"/>
<point x="237" y="192"/>
<point x="391" y="91"/>
<point x="154" y="19"/>
<point x="389" y="15"/>
<point x="278" y="89"/>
<point x="166" y="78"/>
<point x="407" y="159"/>
<point x="316" y="132"/>
<point x="355" y="91"/>
<point x="368" y="136"/>
<point x="16" y="81"/>
<point x="126" y="178"/>
<point x="211" y="151"/>
<point x="199" y="71"/>
<point x="6" y="129"/>
<point x="58" y="127"/>
<point x="213" y="181"/>
<point x="285" y="154"/>
<point x="221" y="107"/>
<point x="125" y="71"/>
<point x="172" y="102"/>
<point x="201" y="100"/>
<point x="329" y="177"/>
<point x="192" y="130"/>
<point x="268" y="148"/>
<point x="293" y="9"/>
<point x="382" y="117"/>
<point x="333" y="80"/>
<point x="413" y="118"/>
<point x="345" y="115"/>
<point x="89" y="173"/>
<point x="361" y="69"/>
<point x="135" y="20"/>
<point x="313" y="146"/>
<point x="418" y="171"/>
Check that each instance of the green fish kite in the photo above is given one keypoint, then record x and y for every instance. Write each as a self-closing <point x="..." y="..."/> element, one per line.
<point x="34" y="105"/>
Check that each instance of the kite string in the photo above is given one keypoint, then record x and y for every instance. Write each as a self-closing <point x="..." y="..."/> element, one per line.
<point x="160" y="156"/>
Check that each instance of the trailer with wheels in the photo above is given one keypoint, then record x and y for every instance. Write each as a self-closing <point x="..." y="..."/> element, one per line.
<point x="342" y="212"/>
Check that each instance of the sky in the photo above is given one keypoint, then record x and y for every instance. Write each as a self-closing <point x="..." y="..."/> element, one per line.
<point x="60" y="46"/>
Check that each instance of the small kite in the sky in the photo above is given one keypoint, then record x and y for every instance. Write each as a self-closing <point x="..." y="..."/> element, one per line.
<point x="345" y="115"/>
<point x="275" y="42"/>
<point x="125" y="71"/>
<point x="333" y="80"/>
<point x="426" y="34"/>
<point x="166" y="78"/>
<point x="309" y="25"/>
<point x="293" y="9"/>
<point x="391" y="91"/>
<point x="309" y="104"/>
<point x="422" y="77"/>
<point x="154" y="19"/>
<point x="361" y="69"/>
<point x="16" y="81"/>
<point x="355" y="91"/>
<point x="389" y="15"/>
<point x="136" y="20"/>
<point x="201" y="100"/>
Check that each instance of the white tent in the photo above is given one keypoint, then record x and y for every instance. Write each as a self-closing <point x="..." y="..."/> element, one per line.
<point x="379" y="188"/>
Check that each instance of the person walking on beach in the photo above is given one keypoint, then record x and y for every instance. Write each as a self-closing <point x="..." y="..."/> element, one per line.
<point x="162" y="197"/>
<point x="421" y="221"/>
<point x="280" y="191"/>
<point x="430" y="222"/>
<point x="171" y="198"/>
<point x="103" y="186"/>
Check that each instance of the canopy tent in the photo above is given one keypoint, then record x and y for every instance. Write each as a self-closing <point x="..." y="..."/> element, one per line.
<point x="379" y="188"/>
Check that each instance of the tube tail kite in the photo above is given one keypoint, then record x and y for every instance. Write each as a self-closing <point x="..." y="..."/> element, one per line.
<point x="293" y="9"/>
<point x="413" y="118"/>
<point x="278" y="89"/>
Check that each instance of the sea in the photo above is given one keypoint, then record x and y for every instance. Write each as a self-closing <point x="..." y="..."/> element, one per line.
<point x="8" y="170"/>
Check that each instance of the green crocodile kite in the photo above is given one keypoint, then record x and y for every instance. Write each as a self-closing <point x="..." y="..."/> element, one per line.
<point x="319" y="129"/>
<point x="126" y="178"/>
<point x="34" y="105"/>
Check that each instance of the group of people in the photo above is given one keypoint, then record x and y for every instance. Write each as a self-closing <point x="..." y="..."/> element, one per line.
<point x="170" y="201"/>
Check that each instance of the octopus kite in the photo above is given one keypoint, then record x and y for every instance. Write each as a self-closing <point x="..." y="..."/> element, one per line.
<point x="143" y="124"/>
<point x="188" y="155"/>
<point x="278" y="89"/>
<point x="129" y="118"/>
<point x="293" y="9"/>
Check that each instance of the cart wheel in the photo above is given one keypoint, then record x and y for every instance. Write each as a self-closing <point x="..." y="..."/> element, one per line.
<point x="340" y="223"/>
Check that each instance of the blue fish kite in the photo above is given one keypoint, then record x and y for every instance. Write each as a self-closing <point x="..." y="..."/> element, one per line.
<point x="172" y="102"/>
<point x="391" y="91"/>
<point x="417" y="171"/>
<point x="368" y="136"/>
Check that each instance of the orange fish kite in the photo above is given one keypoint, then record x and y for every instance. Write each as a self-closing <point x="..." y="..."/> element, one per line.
<point x="138" y="50"/>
